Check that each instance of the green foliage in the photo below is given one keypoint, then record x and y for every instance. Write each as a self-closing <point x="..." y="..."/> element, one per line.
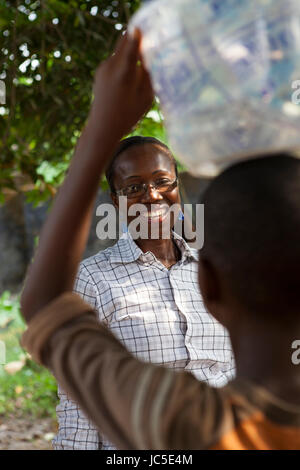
<point x="51" y="172"/>
<point x="31" y="391"/>
<point x="10" y="312"/>
<point x="50" y="50"/>
<point x="27" y="388"/>
<point x="152" y="124"/>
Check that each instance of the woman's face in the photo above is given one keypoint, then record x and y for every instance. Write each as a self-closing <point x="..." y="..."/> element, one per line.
<point x="150" y="164"/>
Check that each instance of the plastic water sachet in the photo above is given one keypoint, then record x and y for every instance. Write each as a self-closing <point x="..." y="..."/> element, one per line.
<point x="226" y="74"/>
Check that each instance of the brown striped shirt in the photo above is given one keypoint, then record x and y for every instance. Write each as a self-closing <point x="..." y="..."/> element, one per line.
<point x="144" y="406"/>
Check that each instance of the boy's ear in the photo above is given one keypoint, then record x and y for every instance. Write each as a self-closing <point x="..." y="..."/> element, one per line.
<point x="210" y="288"/>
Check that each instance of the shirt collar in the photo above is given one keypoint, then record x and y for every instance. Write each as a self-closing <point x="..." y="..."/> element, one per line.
<point x="186" y="250"/>
<point x="127" y="251"/>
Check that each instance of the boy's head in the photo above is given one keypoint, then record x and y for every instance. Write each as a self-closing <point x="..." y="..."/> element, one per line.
<point x="250" y="263"/>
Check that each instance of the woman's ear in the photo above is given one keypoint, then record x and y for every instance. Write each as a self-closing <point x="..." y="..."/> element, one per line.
<point x="210" y="288"/>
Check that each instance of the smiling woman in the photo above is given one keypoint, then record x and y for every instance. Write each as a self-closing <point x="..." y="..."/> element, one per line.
<point x="146" y="289"/>
<point x="144" y="170"/>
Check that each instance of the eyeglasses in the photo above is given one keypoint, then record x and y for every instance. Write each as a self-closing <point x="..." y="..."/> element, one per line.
<point x="137" y="190"/>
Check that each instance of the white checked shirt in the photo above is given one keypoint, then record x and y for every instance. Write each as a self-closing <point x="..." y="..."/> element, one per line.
<point x="157" y="313"/>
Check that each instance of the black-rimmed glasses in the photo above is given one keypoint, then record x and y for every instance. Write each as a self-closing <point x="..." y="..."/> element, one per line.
<point x="137" y="190"/>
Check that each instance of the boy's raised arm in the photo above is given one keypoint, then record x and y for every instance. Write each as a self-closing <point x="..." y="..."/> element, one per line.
<point x="135" y="404"/>
<point x="123" y="94"/>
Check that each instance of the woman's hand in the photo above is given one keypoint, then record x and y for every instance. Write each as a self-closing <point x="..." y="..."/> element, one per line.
<point x="122" y="89"/>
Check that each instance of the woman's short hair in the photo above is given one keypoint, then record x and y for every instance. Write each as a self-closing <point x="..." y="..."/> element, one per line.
<point x="129" y="142"/>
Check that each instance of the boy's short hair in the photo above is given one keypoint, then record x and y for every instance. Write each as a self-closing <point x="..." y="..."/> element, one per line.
<point x="252" y="234"/>
<point x="130" y="142"/>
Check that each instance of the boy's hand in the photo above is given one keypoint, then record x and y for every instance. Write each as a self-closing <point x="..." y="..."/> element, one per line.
<point x="122" y="89"/>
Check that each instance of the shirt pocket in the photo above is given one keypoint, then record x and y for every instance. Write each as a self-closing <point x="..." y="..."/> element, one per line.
<point x="130" y="303"/>
<point x="138" y="307"/>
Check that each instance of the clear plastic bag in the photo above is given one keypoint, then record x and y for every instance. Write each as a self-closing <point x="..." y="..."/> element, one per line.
<point x="224" y="72"/>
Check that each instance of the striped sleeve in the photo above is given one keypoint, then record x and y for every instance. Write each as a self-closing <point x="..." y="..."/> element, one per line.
<point x="136" y="405"/>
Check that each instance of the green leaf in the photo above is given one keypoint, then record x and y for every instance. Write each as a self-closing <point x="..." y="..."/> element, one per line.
<point x="53" y="101"/>
<point x="50" y="172"/>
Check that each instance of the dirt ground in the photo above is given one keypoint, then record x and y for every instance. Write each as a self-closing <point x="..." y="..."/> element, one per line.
<point x="26" y="434"/>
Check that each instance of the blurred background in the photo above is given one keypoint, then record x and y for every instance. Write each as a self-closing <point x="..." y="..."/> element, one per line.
<point x="49" y="50"/>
